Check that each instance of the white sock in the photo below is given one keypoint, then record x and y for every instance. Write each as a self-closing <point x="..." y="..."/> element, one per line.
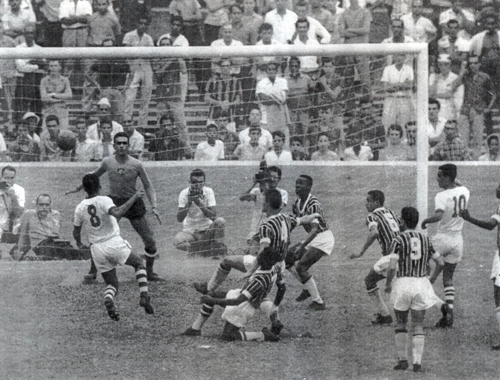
<point x="311" y="287"/>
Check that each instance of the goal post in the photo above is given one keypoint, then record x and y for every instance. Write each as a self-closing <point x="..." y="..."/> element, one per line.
<point x="417" y="50"/>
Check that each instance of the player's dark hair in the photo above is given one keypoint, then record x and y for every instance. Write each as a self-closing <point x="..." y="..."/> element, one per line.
<point x="397" y="128"/>
<point x="10" y="168"/>
<point x="410" y="216"/>
<point x="43" y="195"/>
<point x="275" y="169"/>
<point x="273" y="198"/>
<point x="267" y="258"/>
<point x="435" y="101"/>
<point x="197" y="173"/>
<point x="121" y="134"/>
<point x="265" y="26"/>
<point x="212" y="126"/>
<point x="449" y="170"/>
<point x="307" y="178"/>
<point x="279" y="134"/>
<point x="378" y="196"/>
<point x="302" y="20"/>
<point x="52" y="118"/>
<point x="91" y="183"/>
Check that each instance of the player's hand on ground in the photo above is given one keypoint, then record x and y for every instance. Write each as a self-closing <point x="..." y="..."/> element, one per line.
<point x="157" y="214"/>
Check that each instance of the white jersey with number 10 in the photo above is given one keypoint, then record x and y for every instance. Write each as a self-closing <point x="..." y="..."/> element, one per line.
<point x="451" y="201"/>
<point x="93" y="213"/>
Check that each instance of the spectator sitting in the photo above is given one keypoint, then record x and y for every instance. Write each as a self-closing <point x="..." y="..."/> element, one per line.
<point x="212" y="149"/>
<point x="12" y="205"/>
<point x="451" y="148"/>
<point x="104" y="110"/>
<point x="102" y="25"/>
<point x="16" y="19"/>
<point x="411" y="139"/>
<point x="55" y="89"/>
<point x="136" y="140"/>
<point x="41" y="230"/>
<point x="324" y="153"/>
<point x="84" y="149"/>
<point x="297" y="149"/>
<point x="252" y="150"/>
<point x="49" y="151"/>
<point x="32" y="120"/>
<point x="396" y="150"/>
<point x="104" y="146"/>
<point x="278" y="156"/>
<point x="493" y="142"/>
<point x="455" y="46"/>
<point x="227" y="134"/>
<point x="25" y="148"/>
<point x="358" y="152"/>
<point x="254" y="118"/>
<point x="167" y="145"/>
<point x="435" y="125"/>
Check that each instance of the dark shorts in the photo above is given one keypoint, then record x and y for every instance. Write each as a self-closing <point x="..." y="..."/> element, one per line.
<point x="138" y="209"/>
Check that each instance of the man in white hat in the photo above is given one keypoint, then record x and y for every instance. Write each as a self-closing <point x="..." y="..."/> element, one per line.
<point x="104" y="110"/>
<point x="31" y="119"/>
<point x="442" y="87"/>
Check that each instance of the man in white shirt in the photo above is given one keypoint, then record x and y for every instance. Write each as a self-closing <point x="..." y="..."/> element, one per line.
<point x="420" y="28"/>
<point x="228" y="40"/>
<point x="136" y="140"/>
<point x="398" y="36"/>
<point x="104" y="110"/>
<point x="435" y="124"/>
<point x="309" y="63"/>
<point x="12" y="205"/>
<point x="254" y="118"/>
<point x="283" y="22"/>
<point x="16" y="19"/>
<point x="212" y="149"/>
<point x="465" y="19"/>
<point x="316" y="30"/>
<point x="74" y="15"/>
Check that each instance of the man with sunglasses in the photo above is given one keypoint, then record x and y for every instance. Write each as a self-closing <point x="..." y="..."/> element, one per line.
<point x="123" y="171"/>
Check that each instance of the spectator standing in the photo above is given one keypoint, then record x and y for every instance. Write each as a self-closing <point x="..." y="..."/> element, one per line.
<point x="227" y="134"/>
<point x="7" y="74"/>
<point x="451" y="148"/>
<point x="83" y="151"/>
<point x="442" y="87"/>
<point x="247" y="34"/>
<point x="435" y="125"/>
<point x="136" y="140"/>
<point x="141" y="71"/>
<point x="103" y="25"/>
<point x="216" y="17"/>
<point x="398" y="36"/>
<point x="266" y="38"/>
<point x="190" y="13"/>
<point x="13" y="199"/>
<point x="52" y="25"/>
<point x="211" y="150"/>
<point x="227" y="39"/>
<point x="331" y="90"/>
<point x="454" y="45"/>
<point x="29" y="74"/>
<point x="380" y="27"/>
<point x="323" y="15"/>
<point x="420" y="28"/>
<point x="316" y="30"/>
<point x="249" y="17"/>
<point x="49" y="151"/>
<point x="131" y="12"/>
<point x="16" y="19"/>
<point x="465" y="19"/>
<point x="399" y="8"/>
<point x="283" y="22"/>
<point x="333" y="26"/>
<point x="74" y="16"/>
<point x="309" y="63"/>
<point x="55" y="90"/>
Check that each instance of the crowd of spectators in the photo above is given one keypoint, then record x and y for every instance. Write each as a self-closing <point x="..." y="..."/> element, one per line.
<point x="278" y="108"/>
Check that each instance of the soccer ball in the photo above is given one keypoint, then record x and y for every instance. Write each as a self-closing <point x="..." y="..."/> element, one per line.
<point x="66" y="140"/>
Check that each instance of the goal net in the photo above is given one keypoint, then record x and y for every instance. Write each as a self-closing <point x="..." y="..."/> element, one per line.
<point x="338" y="107"/>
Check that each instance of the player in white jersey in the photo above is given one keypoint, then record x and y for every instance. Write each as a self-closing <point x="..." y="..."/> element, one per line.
<point x="448" y="239"/>
<point x="490" y="224"/>
<point x="99" y="216"/>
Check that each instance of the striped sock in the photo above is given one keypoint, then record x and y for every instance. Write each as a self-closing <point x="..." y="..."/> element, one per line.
<point x="142" y="279"/>
<point x="110" y="292"/>
<point x="311" y="287"/>
<point x="449" y="296"/>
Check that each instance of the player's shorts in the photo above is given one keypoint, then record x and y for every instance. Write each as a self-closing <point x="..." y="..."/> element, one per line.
<point x="324" y="241"/>
<point x="495" y="270"/>
<point x="137" y="210"/>
<point x="450" y="246"/>
<point x="238" y="315"/>
<point x="249" y="262"/>
<point x="381" y="267"/>
<point x="110" y="253"/>
<point x="414" y="293"/>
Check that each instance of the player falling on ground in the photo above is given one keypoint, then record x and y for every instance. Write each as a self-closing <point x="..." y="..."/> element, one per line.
<point x="274" y="236"/>
<point x="448" y="239"/>
<point x="409" y="255"/>
<point x="123" y="171"/>
<point x="100" y="217"/>
<point x="383" y="224"/>
<point x="495" y="271"/>
<point x="318" y="243"/>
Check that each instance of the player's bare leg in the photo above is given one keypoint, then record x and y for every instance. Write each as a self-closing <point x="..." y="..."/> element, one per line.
<point x="401" y="339"/>
<point x="141" y="226"/>
<point x="308" y="258"/>
<point x="496" y="292"/>
<point x="371" y="281"/>
<point x="135" y="261"/>
<point x="221" y="273"/>
<point x="111" y="281"/>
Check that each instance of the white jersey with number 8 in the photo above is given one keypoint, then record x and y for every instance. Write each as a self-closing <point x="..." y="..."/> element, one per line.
<point x="93" y="213"/>
<point x="451" y="201"/>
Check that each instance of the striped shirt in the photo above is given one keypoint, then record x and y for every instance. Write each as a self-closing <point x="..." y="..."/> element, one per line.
<point x="276" y="231"/>
<point x="260" y="283"/>
<point x="387" y="224"/>
<point x="311" y="206"/>
<point x="414" y="250"/>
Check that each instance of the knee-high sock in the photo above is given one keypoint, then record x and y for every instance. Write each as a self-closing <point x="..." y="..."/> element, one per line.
<point x="258" y="336"/>
<point x="311" y="287"/>
<point x="401" y="338"/>
<point x="449" y="296"/>
<point x="217" y="278"/>
<point x="377" y="298"/>
<point x="109" y="293"/>
<point x="418" y="341"/>
<point x="142" y="280"/>
<point x="205" y="313"/>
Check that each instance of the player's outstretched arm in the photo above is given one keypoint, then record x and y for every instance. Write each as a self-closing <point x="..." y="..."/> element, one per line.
<point x="99" y="172"/>
<point x="433" y="219"/>
<point x="486" y="224"/>
<point x="118" y="212"/>
<point x="150" y="192"/>
<point x="369" y="241"/>
<point x="223" y="301"/>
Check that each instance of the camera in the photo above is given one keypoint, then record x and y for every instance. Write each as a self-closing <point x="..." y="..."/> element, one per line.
<point x="195" y="191"/>
<point x="261" y="176"/>
<point x="4" y="185"/>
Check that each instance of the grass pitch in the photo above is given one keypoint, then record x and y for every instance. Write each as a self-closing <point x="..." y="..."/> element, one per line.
<point x="53" y="327"/>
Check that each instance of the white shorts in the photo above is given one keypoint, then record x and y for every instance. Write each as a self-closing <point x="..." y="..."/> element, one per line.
<point x="237" y="315"/>
<point x="382" y="265"/>
<point x="414" y="293"/>
<point x="495" y="270"/>
<point x="449" y="246"/>
<point x="324" y="241"/>
<point x="249" y="262"/>
<point x="110" y="253"/>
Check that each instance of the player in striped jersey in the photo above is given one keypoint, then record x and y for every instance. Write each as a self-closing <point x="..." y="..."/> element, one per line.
<point x="490" y="224"/>
<point x="448" y="238"/>
<point x="409" y="255"/>
<point x="318" y="243"/>
<point x="99" y="215"/>
<point x="274" y="239"/>
<point x="383" y="224"/>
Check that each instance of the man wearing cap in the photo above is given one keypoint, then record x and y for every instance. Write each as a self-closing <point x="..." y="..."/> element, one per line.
<point x="31" y="120"/>
<point x="104" y="107"/>
<point x="420" y="28"/>
<point x="441" y="87"/>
